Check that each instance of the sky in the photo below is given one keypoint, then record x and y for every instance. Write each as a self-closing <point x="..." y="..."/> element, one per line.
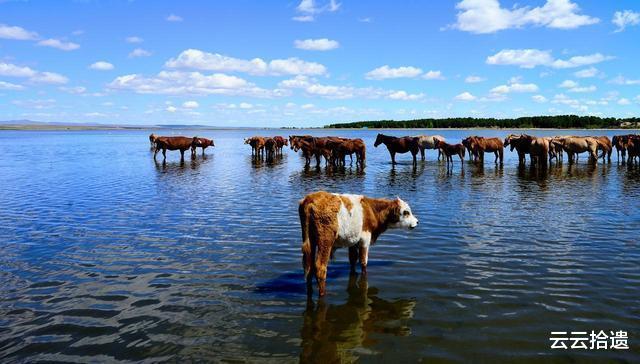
<point x="314" y="62"/>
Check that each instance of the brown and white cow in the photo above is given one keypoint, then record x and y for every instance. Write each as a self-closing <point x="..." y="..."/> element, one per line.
<point x="330" y="221"/>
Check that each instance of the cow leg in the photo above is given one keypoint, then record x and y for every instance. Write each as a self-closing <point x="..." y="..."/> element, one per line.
<point x="364" y="258"/>
<point x="353" y="258"/>
<point x="322" y="261"/>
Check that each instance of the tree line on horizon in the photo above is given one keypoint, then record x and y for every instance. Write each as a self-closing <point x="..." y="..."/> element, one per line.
<point x="550" y="122"/>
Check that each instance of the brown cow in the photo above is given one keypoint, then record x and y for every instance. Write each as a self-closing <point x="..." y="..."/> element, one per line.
<point x="201" y="143"/>
<point x="330" y="221"/>
<point x="257" y="145"/>
<point x="449" y="150"/>
<point x="399" y="145"/>
<point x="173" y="143"/>
<point x="280" y="143"/>
<point x="480" y="145"/>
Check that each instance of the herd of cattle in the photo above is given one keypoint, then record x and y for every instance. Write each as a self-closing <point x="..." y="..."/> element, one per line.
<point x="335" y="150"/>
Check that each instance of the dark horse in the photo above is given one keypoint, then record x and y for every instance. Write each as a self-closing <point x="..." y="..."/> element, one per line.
<point x="399" y="145"/>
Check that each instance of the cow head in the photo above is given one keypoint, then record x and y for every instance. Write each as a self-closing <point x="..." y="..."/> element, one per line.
<point x="402" y="217"/>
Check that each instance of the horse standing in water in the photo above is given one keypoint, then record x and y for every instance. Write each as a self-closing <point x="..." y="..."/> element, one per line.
<point x="399" y="145"/>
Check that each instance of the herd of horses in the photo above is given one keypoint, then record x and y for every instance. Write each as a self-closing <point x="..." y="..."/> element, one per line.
<point x="334" y="150"/>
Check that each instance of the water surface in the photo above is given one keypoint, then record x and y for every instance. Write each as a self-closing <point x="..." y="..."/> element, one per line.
<point x="106" y="255"/>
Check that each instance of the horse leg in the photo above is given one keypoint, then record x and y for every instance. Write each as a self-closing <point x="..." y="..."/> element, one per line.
<point x="393" y="157"/>
<point x="164" y="154"/>
<point x="422" y="153"/>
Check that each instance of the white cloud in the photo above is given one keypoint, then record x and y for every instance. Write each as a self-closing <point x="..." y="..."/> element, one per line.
<point x="16" y="33"/>
<point x="465" y="96"/>
<point x="139" y="52"/>
<point x="77" y="90"/>
<point x="190" y="105"/>
<point x="515" y="88"/>
<point x="171" y="109"/>
<point x="563" y="99"/>
<point x="322" y="44"/>
<point x="191" y="83"/>
<point x="620" y="80"/>
<point x="308" y="9"/>
<point x="365" y="20"/>
<point x="586" y="73"/>
<point x="624" y="18"/>
<point x="57" y="43"/>
<point x="530" y="58"/>
<point x="245" y="105"/>
<point x="10" y="86"/>
<point x="433" y="75"/>
<point x="197" y="59"/>
<point x="583" y="89"/>
<point x="386" y="72"/>
<point x="474" y="79"/>
<point x="38" y="104"/>
<point x="488" y="16"/>
<point x="134" y="39"/>
<point x="539" y="99"/>
<point x="568" y="84"/>
<point x="11" y="70"/>
<point x="101" y="66"/>
<point x="174" y="18"/>
<point x="623" y="101"/>
<point x="403" y="95"/>
<point x="304" y="18"/>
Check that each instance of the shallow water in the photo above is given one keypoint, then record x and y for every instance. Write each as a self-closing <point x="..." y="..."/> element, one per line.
<point x="108" y="256"/>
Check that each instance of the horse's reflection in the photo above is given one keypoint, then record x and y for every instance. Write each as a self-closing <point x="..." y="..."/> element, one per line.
<point x="334" y="333"/>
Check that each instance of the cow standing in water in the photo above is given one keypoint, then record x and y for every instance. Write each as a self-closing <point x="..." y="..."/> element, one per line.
<point x="173" y="143"/>
<point x="330" y="221"/>
<point x="201" y="143"/>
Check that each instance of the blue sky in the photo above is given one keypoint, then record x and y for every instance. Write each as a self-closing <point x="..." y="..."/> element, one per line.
<point x="310" y="63"/>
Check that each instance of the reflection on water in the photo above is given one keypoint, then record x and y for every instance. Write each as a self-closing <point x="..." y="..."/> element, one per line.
<point x="342" y="332"/>
<point x="106" y="255"/>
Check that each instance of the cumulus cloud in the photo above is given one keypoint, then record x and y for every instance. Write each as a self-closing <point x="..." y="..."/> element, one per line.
<point x="386" y="72"/>
<point x="190" y="83"/>
<point x="322" y="44"/>
<point x="568" y="84"/>
<point x="623" y="101"/>
<point x="59" y="44"/>
<point x="139" y="52"/>
<point x="77" y="90"/>
<point x="474" y="79"/>
<point x="586" y="73"/>
<point x="174" y="18"/>
<point x="465" y="96"/>
<point x="530" y="58"/>
<point x="403" y="95"/>
<point x="488" y="16"/>
<point x="190" y="105"/>
<point x="573" y="86"/>
<point x="197" y="59"/>
<point x="10" y="86"/>
<point x="171" y="109"/>
<point x="134" y="39"/>
<point x="622" y="19"/>
<point x="433" y="75"/>
<point x="308" y="9"/>
<point x="101" y="66"/>
<point x="621" y="80"/>
<point x="12" y="70"/>
<point x="16" y="33"/>
<point x="539" y="99"/>
<point x="515" y="88"/>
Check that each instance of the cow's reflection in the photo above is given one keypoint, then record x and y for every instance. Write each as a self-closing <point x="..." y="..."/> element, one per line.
<point x="336" y="333"/>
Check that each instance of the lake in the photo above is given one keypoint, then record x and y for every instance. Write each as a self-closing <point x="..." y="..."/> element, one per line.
<point x="106" y="255"/>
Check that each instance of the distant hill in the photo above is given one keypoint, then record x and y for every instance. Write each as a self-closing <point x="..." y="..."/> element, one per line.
<point x="548" y="122"/>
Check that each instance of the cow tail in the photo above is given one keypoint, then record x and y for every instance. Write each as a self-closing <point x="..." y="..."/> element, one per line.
<point x="307" y="249"/>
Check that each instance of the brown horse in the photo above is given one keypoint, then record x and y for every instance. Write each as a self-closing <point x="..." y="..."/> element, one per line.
<point x="257" y="145"/>
<point x="399" y="145"/>
<point x="521" y="143"/>
<point x="280" y="143"/>
<point x="449" y="150"/>
<point x="480" y="145"/>
<point x="152" y="139"/>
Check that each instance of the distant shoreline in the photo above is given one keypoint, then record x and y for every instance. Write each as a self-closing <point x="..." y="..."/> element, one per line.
<point x="186" y="127"/>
